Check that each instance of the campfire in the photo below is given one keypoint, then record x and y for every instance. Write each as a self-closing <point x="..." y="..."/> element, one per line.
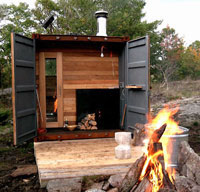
<point x="154" y="171"/>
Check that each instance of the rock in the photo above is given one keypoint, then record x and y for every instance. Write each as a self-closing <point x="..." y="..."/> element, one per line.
<point x="116" y="180"/>
<point x="97" y="185"/>
<point x="196" y="188"/>
<point x="24" y="170"/>
<point x="184" y="184"/>
<point x="106" y="186"/>
<point x="64" y="185"/>
<point x="95" y="190"/>
<point x="166" y="190"/>
<point x="189" y="109"/>
<point x="189" y="162"/>
<point x="113" y="190"/>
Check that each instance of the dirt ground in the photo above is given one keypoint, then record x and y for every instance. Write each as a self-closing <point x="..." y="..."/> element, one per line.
<point x="12" y="157"/>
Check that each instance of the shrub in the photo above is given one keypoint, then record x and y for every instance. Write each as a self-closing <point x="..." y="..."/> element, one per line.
<point x="4" y="115"/>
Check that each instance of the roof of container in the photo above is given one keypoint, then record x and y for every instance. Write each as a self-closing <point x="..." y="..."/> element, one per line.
<point x="80" y="38"/>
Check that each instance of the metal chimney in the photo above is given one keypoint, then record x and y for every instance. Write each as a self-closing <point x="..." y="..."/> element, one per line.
<point x="101" y="22"/>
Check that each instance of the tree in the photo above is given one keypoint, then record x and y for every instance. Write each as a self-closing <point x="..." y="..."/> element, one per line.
<point x="77" y="16"/>
<point x="170" y="58"/>
<point x="191" y="61"/>
<point x="73" y="17"/>
<point x="13" y="18"/>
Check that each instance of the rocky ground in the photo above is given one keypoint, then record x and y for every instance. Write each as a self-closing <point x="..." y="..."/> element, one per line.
<point x="188" y="116"/>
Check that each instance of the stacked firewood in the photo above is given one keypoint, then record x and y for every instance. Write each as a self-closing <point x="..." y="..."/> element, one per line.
<point x="88" y="123"/>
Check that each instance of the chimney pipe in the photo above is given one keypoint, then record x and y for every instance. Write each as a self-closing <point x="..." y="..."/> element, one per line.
<point x="101" y="22"/>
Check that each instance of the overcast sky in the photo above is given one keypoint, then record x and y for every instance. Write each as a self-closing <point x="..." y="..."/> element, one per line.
<point x="182" y="15"/>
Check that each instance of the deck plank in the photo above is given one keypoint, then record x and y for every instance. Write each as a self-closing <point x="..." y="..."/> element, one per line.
<point x="77" y="158"/>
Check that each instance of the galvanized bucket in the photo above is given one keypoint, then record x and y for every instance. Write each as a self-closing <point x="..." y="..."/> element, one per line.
<point x="175" y="142"/>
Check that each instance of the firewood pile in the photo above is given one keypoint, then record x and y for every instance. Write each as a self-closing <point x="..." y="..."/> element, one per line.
<point x="88" y="122"/>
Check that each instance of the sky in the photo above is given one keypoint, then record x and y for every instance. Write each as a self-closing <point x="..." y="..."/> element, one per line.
<point x="182" y="15"/>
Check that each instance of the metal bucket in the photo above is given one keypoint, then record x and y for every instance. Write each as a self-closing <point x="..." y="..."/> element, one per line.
<point x="175" y="141"/>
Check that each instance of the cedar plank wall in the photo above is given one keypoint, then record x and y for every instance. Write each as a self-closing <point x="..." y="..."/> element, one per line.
<point x="85" y="69"/>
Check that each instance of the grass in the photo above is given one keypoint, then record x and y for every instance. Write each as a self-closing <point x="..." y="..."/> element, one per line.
<point x="177" y="90"/>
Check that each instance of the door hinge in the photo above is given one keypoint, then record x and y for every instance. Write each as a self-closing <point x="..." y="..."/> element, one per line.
<point x="121" y="85"/>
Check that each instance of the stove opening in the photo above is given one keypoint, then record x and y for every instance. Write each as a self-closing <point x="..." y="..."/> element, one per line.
<point x="105" y="103"/>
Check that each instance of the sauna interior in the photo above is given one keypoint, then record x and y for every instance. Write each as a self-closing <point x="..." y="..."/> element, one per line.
<point x="77" y="76"/>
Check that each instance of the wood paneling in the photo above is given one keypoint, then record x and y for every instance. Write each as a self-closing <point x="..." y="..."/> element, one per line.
<point x="79" y="68"/>
<point x="90" y="72"/>
<point x="69" y="102"/>
<point x="60" y="88"/>
<point x="42" y="88"/>
<point x="85" y="69"/>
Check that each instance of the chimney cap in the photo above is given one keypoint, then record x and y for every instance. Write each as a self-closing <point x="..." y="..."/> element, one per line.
<point x="101" y="13"/>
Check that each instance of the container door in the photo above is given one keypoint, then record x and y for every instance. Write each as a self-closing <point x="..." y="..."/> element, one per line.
<point x="137" y="81"/>
<point x="23" y="88"/>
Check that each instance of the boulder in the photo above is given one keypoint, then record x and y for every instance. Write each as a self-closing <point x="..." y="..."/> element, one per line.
<point x="116" y="180"/>
<point x="189" y="162"/>
<point x="64" y="185"/>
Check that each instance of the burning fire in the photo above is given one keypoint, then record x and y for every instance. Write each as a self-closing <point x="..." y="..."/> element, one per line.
<point x="55" y="105"/>
<point x="157" y="168"/>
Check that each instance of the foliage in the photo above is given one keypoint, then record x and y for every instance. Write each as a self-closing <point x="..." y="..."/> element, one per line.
<point x="191" y="62"/>
<point x="170" y="57"/>
<point x="71" y="17"/>
<point x="4" y="115"/>
<point x="13" y="18"/>
<point x="169" y="60"/>
<point x="50" y="67"/>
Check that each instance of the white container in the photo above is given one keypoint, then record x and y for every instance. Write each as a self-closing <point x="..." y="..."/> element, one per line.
<point x="123" y="150"/>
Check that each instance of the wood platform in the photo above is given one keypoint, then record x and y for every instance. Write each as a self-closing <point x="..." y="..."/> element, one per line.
<point x="77" y="158"/>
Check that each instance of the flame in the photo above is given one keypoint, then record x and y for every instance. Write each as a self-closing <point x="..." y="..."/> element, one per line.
<point x="55" y="105"/>
<point x="165" y="116"/>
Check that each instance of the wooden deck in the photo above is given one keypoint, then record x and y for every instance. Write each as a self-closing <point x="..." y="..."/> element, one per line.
<point x="77" y="158"/>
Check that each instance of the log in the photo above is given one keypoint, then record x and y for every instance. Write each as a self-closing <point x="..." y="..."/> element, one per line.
<point x="88" y="127"/>
<point x="82" y="127"/>
<point x="92" y="122"/>
<point x="86" y="124"/>
<point x="139" y="134"/>
<point x="91" y="116"/>
<point x="155" y="147"/>
<point x="157" y="134"/>
<point x="94" y="128"/>
<point x="144" y="186"/>
<point x="132" y="176"/>
<point x="155" y="137"/>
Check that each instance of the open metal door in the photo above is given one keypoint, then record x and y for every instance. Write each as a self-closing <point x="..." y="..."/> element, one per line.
<point x="23" y="88"/>
<point x="137" y="81"/>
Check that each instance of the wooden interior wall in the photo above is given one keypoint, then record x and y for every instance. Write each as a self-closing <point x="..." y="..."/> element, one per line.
<point x="70" y="105"/>
<point x="85" y="69"/>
